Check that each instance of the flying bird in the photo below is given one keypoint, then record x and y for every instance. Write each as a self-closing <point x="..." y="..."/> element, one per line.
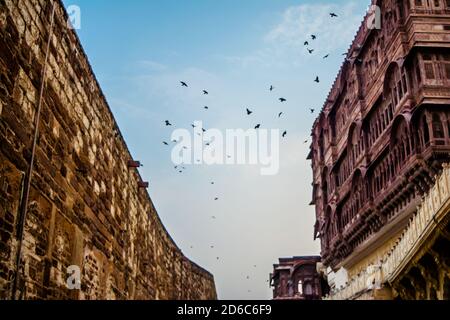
<point x="310" y="51"/>
<point x="183" y="84"/>
<point x="212" y="182"/>
<point x="206" y="107"/>
<point x="305" y="142"/>
<point x="215" y="199"/>
<point x="271" y="88"/>
<point x="168" y="123"/>
<point x="284" y="134"/>
<point x="165" y="143"/>
<point x="326" y="56"/>
<point x="249" y="112"/>
<point x="282" y="100"/>
<point x="258" y="126"/>
<point x="313" y="36"/>
<point x="333" y="15"/>
<point x="312" y="110"/>
<point x="317" y="79"/>
<point x="205" y="92"/>
<point x="280" y="114"/>
<point x="306" y="43"/>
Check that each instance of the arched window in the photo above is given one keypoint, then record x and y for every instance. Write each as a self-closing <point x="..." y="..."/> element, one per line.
<point x="438" y="128"/>
<point x="426" y="132"/>
<point x="308" y="289"/>
<point x="321" y="146"/>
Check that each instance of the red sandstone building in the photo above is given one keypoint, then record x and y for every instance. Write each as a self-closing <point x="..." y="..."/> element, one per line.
<point x="298" y="278"/>
<point x="378" y="157"/>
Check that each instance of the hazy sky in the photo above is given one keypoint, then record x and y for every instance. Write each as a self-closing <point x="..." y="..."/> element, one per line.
<point x="235" y="49"/>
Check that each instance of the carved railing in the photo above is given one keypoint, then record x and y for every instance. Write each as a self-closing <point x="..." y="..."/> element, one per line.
<point x="419" y="227"/>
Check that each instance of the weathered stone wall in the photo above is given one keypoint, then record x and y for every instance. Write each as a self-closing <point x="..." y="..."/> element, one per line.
<point x="85" y="207"/>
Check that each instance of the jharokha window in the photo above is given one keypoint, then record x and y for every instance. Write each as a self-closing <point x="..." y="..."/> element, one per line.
<point x="437" y="67"/>
<point x="438" y="128"/>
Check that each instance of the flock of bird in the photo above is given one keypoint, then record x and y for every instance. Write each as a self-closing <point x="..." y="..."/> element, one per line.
<point x="249" y="113"/>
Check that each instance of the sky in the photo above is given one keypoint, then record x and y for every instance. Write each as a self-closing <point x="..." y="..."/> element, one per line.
<point x="140" y="50"/>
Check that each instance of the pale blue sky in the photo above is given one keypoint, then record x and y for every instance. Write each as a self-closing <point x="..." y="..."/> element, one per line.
<point x="235" y="49"/>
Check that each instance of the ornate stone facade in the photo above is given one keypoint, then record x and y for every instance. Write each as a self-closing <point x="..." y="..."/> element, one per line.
<point x="383" y="135"/>
<point x="298" y="278"/>
<point x="86" y="206"/>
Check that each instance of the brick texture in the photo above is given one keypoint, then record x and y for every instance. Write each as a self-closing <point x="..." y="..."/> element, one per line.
<point x="85" y="207"/>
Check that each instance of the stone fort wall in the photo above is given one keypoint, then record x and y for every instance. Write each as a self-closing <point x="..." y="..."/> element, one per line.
<point x="85" y="207"/>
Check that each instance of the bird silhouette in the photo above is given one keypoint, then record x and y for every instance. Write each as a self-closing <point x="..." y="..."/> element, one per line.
<point x="312" y="110"/>
<point x="193" y="125"/>
<point x="284" y="134"/>
<point x="249" y="112"/>
<point x="326" y="56"/>
<point x="165" y="143"/>
<point x="206" y="107"/>
<point x="205" y="92"/>
<point x="212" y="183"/>
<point x="313" y="36"/>
<point x="282" y="100"/>
<point x="213" y="217"/>
<point x="305" y="142"/>
<point x="333" y="15"/>
<point x="310" y="51"/>
<point x="168" y="123"/>
<point x="215" y="199"/>
<point x="204" y="130"/>
<point x="183" y="84"/>
<point x="280" y="114"/>
<point x="306" y="43"/>
<point x="317" y="79"/>
<point x="271" y="88"/>
<point x="258" y="126"/>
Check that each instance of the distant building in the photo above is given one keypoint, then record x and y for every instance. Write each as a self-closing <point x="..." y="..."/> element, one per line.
<point x="298" y="278"/>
